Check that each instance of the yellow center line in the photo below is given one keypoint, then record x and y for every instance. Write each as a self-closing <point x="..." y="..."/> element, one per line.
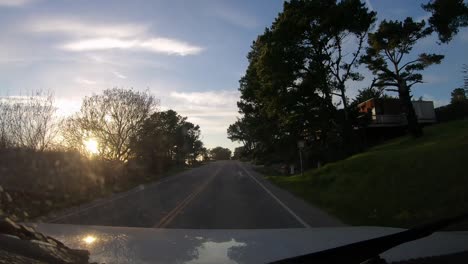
<point x="167" y="219"/>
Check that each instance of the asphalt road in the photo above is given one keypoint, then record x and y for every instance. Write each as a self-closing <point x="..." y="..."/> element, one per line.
<point x="219" y="195"/>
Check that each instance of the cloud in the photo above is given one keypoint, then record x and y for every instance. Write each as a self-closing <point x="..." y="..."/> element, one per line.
<point x="67" y="106"/>
<point x="437" y="102"/>
<point x="96" y="37"/>
<point x="98" y="44"/>
<point x="170" y="46"/>
<point x="85" y="81"/>
<point x="79" y="29"/>
<point x="214" y="111"/>
<point x="209" y="98"/>
<point x="156" y="45"/>
<point x="235" y="17"/>
<point x="15" y="3"/>
<point x="119" y="75"/>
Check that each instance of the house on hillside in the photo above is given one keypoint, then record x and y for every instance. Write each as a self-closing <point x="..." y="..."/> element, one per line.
<point x="386" y="112"/>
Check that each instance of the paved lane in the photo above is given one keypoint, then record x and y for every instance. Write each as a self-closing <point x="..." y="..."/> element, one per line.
<point x="221" y="195"/>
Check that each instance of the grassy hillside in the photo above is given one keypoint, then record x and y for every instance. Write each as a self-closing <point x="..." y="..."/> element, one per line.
<point x="404" y="182"/>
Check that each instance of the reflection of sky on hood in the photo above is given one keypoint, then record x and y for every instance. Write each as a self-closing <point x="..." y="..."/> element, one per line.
<point x="149" y="245"/>
<point x="215" y="252"/>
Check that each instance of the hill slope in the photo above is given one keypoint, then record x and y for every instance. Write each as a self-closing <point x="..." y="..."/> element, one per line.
<point x="401" y="183"/>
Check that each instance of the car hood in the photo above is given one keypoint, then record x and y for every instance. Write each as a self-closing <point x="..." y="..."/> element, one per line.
<point x="151" y="245"/>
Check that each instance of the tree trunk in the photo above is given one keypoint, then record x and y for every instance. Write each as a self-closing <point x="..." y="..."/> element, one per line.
<point x="407" y="107"/>
<point x="347" y="130"/>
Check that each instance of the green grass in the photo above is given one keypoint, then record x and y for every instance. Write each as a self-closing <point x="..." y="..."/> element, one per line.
<point x="401" y="183"/>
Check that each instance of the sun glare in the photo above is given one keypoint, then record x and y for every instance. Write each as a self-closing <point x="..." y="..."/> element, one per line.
<point x="89" y="239"/>
<point x="91" y="146"/>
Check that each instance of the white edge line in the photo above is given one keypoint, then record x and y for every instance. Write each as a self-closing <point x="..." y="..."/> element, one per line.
<point x="278" y="200"/>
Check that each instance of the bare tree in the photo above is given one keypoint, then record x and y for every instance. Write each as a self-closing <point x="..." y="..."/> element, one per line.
<point x="28" y="121"/>
<point x="112" y="119"/>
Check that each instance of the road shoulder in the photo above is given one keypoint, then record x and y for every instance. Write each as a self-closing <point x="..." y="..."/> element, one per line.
<point x="312" y="215"/>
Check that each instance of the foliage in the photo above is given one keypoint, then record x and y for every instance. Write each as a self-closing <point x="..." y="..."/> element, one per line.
<point x="368" y="93"/>
<point x="220" y="153"/>
<point x="457" y="109"/>
<point x="295" y="67"/>
<point x="447" y="16"/>
<point x="112" y="119"/>
<point x="166" y="138"/>
<point x="400" y="184"/>
<point x="239" y="153"/>
<point x="387" y="55"/>
<point x="28" y="122"/>
<point x="459" y="95"/>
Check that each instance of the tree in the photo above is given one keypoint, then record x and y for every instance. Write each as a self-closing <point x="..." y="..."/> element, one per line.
<point x="309" y="43"/>
<point x="388" y="47"/>
<point x="447" y="16"/>
<point x="458" y="95"/>
<point x="220" y="153"/>
<point x="239" y="153"/>
<point x="295" y="67"/>
<point x="112" y="119"/>
<point x="28" y="122"/>
<point x="368" y="93"/>
<point x="166" y="138"/>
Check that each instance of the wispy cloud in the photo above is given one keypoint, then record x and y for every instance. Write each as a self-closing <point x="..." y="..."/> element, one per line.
<point x="235" y="17"/>
<point x="15" y="3"/>
<point x="85" y="81"/>
<point x="437" y="102"/>
<point x="98" y="44"/>
<point x="156" y="45"/>
<point x="212" y="110"/>
<point x="96" y="37"/>
<point x="208" y="98"/>
<point x="79" y="29"/>
<point x="119" y="75"/>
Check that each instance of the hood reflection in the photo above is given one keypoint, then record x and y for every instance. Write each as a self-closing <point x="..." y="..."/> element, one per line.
<point x="215" y="252"/>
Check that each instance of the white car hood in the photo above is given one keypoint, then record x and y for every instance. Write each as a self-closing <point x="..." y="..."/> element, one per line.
<point x="150" y="245"/>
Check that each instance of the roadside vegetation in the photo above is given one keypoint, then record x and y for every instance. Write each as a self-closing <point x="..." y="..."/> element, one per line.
<point x="296" y="111"/>
<point x="118" y="140"/>
<point x="401" y="183"/>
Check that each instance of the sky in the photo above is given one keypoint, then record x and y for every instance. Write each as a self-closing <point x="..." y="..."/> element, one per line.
<point x="188" y="54"/>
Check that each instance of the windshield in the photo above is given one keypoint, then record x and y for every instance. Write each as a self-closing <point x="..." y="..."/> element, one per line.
<point x="229" y="115"/>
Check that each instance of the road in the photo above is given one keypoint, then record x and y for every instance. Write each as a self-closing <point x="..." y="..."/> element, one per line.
<point x="219" y="195"/>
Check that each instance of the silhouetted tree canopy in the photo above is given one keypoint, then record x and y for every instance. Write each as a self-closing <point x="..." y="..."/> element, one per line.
<point x="220" y="153"/>
<point x="166" y="138"/>
<point x="447" y="16"/>
<point x="387" y="57"/>
<point x="458" y="95"/>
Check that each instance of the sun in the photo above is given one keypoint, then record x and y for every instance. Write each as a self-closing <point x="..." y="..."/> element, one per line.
<point x="89" y="239"/>
<point x="91" y="146"/>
